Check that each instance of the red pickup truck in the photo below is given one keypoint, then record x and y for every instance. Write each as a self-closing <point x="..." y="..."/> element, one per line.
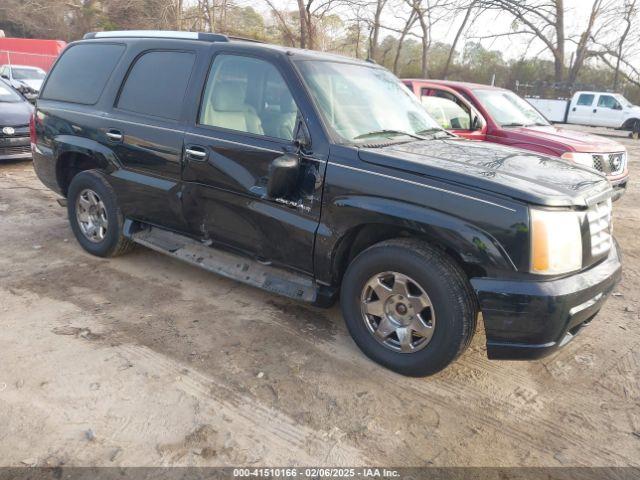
<point x="485" y="113"/>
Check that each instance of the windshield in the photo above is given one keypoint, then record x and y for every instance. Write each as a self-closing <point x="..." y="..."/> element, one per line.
<point x="27" y="73"/>
<point x="8" y="95"/>
<point x="362" y="103"/>
<point x="508" y="109"/>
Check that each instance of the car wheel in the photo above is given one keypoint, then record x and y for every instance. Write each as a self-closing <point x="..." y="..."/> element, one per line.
<point x="94" y="215"/>
<point x="408" y="306"/>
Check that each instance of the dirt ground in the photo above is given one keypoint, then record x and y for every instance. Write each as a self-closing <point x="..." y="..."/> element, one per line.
<point x="143" y="360"/>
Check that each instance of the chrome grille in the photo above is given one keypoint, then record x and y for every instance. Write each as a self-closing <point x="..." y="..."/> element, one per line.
<point x="599" y="217"/>
<point x="15" y="150"/>
<point x="610" y="163"/>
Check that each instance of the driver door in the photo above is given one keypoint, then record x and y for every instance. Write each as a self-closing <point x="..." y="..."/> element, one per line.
<point x="247" y="119"/>
<point x="453" y="114"/>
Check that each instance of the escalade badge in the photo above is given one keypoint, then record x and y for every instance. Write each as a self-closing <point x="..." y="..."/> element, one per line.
<point x="8" y="130"/>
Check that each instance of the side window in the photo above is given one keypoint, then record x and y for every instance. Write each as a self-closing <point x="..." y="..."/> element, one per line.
<point x="607" y="101"/>
<point x="82" y="72"/>
<point x="156" y="84"/>
<point x="448" y="113"/>
<point x="248" y="95"/>
<point x="585" y="100"/>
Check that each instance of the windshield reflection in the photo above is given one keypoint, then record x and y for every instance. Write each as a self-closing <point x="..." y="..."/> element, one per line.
<point x="364" y="104"/>
<point x="508" y="109"/>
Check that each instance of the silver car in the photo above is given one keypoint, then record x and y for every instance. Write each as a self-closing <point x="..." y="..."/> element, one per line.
<point x="24" y="78"/>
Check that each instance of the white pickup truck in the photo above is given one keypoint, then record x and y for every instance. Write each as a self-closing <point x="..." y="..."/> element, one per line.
<point x="597" y="109"/>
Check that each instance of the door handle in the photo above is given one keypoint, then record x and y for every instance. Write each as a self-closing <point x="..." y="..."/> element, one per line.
<point x="595" y="110"/>
<point x="195" y="152"/>
<point x="114" y="135"/>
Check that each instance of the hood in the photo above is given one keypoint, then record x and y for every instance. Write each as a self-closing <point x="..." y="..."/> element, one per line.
<point x="581" y="142"/>
<point x="519" y="174"/>
<point x="634" y="110"/>
<point x="13" y="114"/>
<point x="35" y="84"/>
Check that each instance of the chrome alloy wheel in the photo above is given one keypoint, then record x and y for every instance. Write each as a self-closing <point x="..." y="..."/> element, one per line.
<point x="398" y="312"/>
<point x="91" y="215"/>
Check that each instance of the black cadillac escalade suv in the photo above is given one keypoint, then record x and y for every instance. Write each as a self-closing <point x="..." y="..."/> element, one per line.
<point x="313" y="176"/>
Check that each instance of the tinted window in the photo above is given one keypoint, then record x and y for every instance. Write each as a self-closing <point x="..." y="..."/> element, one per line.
<point x="607" y="101"/>
<point x="157" y="83"/>
<point x="586" y="99"/>
<point x="248" y="95"/>
<point x="82" y="73"/>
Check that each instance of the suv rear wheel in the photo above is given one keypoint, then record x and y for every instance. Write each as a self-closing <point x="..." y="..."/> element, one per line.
<point x="94" y="215"/>
<point x="408" y="306"/>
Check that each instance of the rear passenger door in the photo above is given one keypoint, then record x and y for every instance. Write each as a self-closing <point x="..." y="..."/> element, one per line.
<point x="247" y="117"/>
<point x="146" y="131"/>
<point x="582" y="112"/>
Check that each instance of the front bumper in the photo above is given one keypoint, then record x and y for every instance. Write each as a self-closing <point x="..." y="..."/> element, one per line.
<point x="15" y="148"/>
<point x="528" y="320"/>
<point x="619" y="185"/>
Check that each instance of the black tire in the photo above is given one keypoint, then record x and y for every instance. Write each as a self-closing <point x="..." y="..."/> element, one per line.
<point x="113" y="243"/>
<point x="441" y="279"/>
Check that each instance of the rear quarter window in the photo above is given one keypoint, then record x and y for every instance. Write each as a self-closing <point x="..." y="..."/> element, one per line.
<point x="82" y="72"/>
<point x="157" y="83"/>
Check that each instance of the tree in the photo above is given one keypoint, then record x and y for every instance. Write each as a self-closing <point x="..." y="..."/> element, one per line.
<point x="598" y="7"/>
<point x="379" y="6"/>
<point x="624" y="24"/>
<point x="408" y="25"/>
<point x="543" y="19"/>
<point x="468" y="8"/>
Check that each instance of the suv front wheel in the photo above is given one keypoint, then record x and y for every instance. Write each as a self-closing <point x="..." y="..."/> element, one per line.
<point x="408" y="306"/>
<point x="94" y="215"/>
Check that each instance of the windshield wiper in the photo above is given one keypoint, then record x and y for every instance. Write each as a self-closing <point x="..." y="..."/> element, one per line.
<point x="388" y="132"/>
<point x="435" y="130"/>
<point x="514" y="124"/>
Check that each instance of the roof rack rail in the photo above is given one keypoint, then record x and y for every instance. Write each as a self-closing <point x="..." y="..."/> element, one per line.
<point x="207" y="37"/>
<point x="244" y="39"/>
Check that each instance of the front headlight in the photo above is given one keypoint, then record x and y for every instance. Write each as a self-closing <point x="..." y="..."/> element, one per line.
<point x="580" y="158"/>
<point x="556" y="242"/>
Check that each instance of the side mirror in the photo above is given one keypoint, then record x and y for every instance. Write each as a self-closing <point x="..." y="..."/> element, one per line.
<point x="283" y="176"/>
<point x="618" y="107"/>
<point x="4" y="75"/>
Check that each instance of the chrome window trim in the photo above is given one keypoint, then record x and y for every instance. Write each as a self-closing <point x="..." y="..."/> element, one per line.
<point x="183" y="131"/>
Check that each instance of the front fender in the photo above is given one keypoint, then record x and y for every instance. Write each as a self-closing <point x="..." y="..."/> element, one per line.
<point x="473" y="245"/>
